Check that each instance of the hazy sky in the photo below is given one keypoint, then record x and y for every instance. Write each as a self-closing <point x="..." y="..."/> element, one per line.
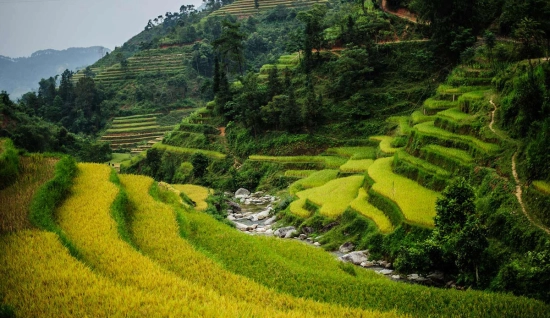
<point x="27" y="26"/>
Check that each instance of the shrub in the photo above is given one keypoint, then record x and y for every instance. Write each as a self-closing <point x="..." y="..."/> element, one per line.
<point x="9" y="163"/>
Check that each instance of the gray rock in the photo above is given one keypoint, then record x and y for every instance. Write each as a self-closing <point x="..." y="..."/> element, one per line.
<point x="282" y="232"/>
<point x="269" y="232"/>
<point x="367" y="264"/>
<point x="355" y="257"/>
<point x="309" y="239"/>
<point x="416" y="278"/>
<point x="231" y="218"/>
<point x="235" y="206"/>
<point x="383" y="263"/>
<point x="290" y="233"/>
<point x="317" y="244"/>
<point x="346" y="247"/>
<point x="307" y="230"/>
<point x="388" y="265"/>
<point x="396" y="277"/>
<point x="271" y="220"/>
<point x="263" y="215"/>
<point x="253" y="227"/>
<point x="261" y="230"/>
<point x="238" y="215"/>
<point x="241" y="226"/>
<point x="242" y="193"/>
<point x="302" y="237"/>
<point x="257" y="194"/>
<point x="437" y="277"/>
<point x="386" y="271"/>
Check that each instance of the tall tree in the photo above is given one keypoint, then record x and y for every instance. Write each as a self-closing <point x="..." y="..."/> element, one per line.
<point x="230" y="46"/>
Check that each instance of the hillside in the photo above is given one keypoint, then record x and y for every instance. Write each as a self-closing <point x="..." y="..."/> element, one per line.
<point x="20" y="75"/>
<point x="384" y="158"/>
<point x="154" y="265"/>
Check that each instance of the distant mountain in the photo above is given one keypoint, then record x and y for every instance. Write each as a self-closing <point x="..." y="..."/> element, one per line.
<point x="21" y="75"/>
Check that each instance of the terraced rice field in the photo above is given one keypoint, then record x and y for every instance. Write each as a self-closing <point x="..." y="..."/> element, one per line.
<point x="196" y="193"/>
<point x="356" y="166"/>
<point x="149" y="62"/>
<point x="15" y="200"/>
<point x="190" y="151"/>
<point x="429" y="129"/>
<point x="385" y="144"/>
<point x="315" y="179"/>
<point x="542" y="186"/>
<point x="329" y="162"/>
<point x="354" y="153"/>
<point x="335" y="196"/>
<point x="128" y="132"/>
<point x="361" y="205"/>
<point x="246" y="7"/>
<point x="415" y="202"/>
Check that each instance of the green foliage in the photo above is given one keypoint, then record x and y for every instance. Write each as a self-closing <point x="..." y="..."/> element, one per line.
<point x="121" y="210"/>
<point x="199" y="162"/>
<point x="50" y="196"/>
<point x="9" y="163"/>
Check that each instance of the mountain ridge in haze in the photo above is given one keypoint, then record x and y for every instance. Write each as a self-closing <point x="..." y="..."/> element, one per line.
<point x="22" y="74"/>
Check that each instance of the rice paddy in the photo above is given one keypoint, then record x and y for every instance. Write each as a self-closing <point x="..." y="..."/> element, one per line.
<point x="385" y="144"/>
<point x="246" y="7"/>
<point x="542" y="186"/>
<point x="316" y="179"/>
<point x="416" y="202"/>
<point x="328" y="162"/>
<point x="356" y="166"/>
<point x="335" y="196"/>
<point x="196" y="193"/>
<point x="190" y="151"/>
<point x="299" y="173"/>
<point x="361" y="205"/>
<point x="353" y="153"/>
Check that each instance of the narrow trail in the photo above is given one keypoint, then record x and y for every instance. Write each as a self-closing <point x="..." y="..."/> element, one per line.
<point x="519" y="190"/>
<point x="236" y="164"/>
<point x="401" y="12"/>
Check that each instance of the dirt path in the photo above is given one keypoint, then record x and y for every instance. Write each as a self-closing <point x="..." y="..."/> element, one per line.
<point x="401" y="12"/>
<point x="519" y="190"/>
<point x="236" y="164"/>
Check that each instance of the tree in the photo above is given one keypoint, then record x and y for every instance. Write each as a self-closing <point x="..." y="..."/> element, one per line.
<point x="291" y="117"/>
<point x="230" y="46"/>
<point x="490" y="42"/>
<point x="459" y="233"/>
<point x="200" y="163"/>
<point x="257" y="4"/>
<point x="273" y="83"/>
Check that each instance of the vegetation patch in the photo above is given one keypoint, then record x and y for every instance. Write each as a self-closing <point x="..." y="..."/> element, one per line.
<point x="190" y="151"/>
<point x="316" y="179"/>
<point x="354" y="153"/>
<point x="416" y="202"/>
<point x="325" y="161"/>
<point x="196" y="193"/>
<point x="356" y="166"/>
<point x="299" y="173"/>
<point x="9" y="163"/>
<point x="542" y="186"/>
<point x="362" y="206"/>
<point x="335" y="196"/>
<point x="386" y="148"/>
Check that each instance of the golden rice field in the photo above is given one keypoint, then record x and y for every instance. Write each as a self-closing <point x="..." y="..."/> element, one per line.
<point x="334" y="197"/>
<point x="416" y="202"/>
<point x="542" y="186"/>
<point x="315" y="179"/>
<point x="15" y="200"/>
<point x="156" y="233"/>
<point x="361" y="205"/>
<point x="299" y="173"/>
<point x="385" y="144"/>
<point x="41" y="279"/>
<point x="297" y="208"/>
<point x="356" y="166"/>
<point x="196" y="193"/>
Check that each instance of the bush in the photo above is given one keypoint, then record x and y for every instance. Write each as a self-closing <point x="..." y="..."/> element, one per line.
<point x="9" y="163"/>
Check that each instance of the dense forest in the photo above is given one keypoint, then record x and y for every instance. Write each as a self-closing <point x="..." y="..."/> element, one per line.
<point x="446" y="102"/>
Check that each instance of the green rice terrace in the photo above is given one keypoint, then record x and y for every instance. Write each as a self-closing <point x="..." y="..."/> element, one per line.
<point x="243" y="8"/>
<point x="147" y="63"/>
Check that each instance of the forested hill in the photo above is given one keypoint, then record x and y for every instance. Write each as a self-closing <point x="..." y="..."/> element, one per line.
<point x="20" y="75"/>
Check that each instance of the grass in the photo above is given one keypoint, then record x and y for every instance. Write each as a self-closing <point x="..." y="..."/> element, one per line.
<point x="316" y="179"/>
<point x="416" y="202"/>
<point x="118" y="121"/>
<point x="542" y="186"/>
<point x="355" y="166"/>
<point x="299" y="173"/>
<point x="140" y="129"/>
<point x="454" y="153"/>
<point x="354" y="153"/>
<point x="403" y="124"/>
<point x="9" y="163"/>
<point x="133" y="125"/>
<point x="402" y="155"/>
<point x="196" y="193"/>
<point x="451" y="90"/>
<point x="418" y="117"/>
<point x="432" y="104"/>
<point x="190" y="151"/>
<point x="41" y="279"/>
<point x="428" y="128"/>
<point x="327" y="161"/>
<point x="318" y="276"/>
<point x="86" y="219"/>
<point x="362" y="206"/>
<point x="456" y="114"/>
<point x="157" y="234"/>
<point x="335" y="196"/>
<point x="385" y="144"/>
<point x="16" y="199"/>
<point x="120" y="157"/>
<point x="136" y="117"/>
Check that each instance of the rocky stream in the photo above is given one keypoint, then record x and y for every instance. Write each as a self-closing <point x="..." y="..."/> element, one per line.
<point x="253" y="214"/>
